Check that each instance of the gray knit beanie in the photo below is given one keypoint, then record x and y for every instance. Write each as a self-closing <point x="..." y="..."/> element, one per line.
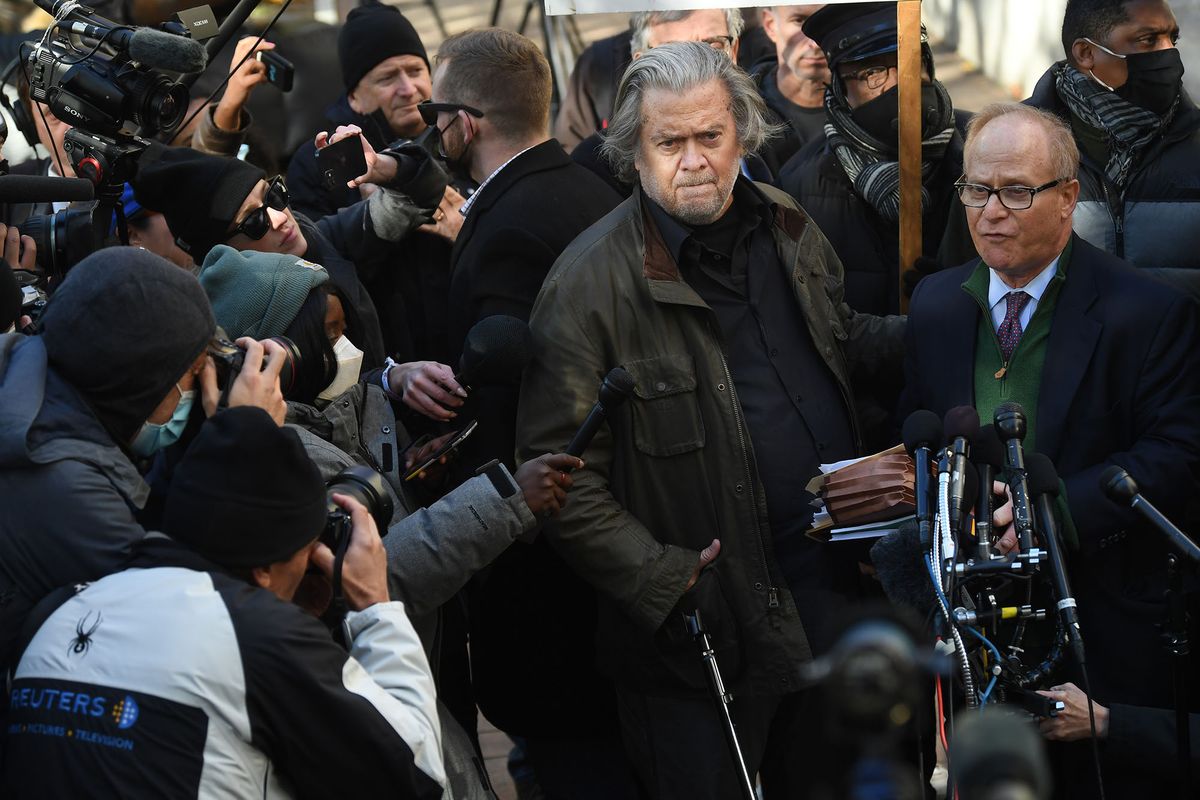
<point x="257" y="294"/>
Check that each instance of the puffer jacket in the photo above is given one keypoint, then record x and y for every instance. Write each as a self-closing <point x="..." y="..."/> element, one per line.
<point x="675" y="469"/>
<point x="67" y="491"/>
<point x="1154" y="223"/>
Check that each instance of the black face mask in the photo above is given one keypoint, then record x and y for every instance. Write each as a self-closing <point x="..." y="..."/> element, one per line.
<point x="881" y="117"/>
<point x="1154" y="80"/>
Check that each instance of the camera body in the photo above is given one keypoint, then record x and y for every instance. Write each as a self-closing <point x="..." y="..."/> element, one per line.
<point x="367" y="487"/>
<point x="229" y="358"/>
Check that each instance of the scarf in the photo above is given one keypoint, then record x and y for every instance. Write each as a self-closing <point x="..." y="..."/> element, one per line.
<point x="1129" y="128"/>
<point x="870" y="164"/>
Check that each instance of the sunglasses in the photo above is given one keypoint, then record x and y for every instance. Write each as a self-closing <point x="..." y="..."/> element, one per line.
<point x="429" y="110"/>
<point x="257" y="222"/>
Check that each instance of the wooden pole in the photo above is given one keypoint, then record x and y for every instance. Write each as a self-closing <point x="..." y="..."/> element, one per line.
<point x="908" y="22"/>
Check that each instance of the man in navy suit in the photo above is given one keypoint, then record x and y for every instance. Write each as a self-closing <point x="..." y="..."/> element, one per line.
<point x="1106" y="363"/>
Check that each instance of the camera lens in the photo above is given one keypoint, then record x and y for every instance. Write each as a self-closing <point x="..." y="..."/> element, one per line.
<point x="62" y="238"/>
<point x="367" y="487"/>
<point x="291" y="364"/>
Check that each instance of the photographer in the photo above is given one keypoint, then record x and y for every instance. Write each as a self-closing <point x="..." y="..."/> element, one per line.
<point x="209" y="200"/>
<point x="432" y="551"/>
<point x="110" y="379"/>
<point x="192" y="673"/>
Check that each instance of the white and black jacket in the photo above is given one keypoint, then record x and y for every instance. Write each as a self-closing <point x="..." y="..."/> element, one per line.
<point x="175" y="679"/>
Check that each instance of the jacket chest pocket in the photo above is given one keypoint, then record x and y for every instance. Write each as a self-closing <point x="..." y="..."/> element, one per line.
<point x="665" y="407"/>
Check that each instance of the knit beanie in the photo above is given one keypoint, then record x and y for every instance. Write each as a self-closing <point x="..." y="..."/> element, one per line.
<point x="246" y="494"/>
<point x="371" y="34"/>
<point x="199" y="194"/>
<point x="257" y="294"/>
<point x="122" y="328"/>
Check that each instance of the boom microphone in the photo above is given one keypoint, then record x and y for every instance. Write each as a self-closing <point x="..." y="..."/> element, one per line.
<point x="962" y="423"/>
<point x="1010" y="426"/>
<point x="1122" y="489"/>
<point x="614" y="390"/>
<point x="1043" y="482"/>
<point x="922" y="434"/>
<point x="44" y="189"/>
<point x="496" y="350"/>
<point x="147" y="46"/>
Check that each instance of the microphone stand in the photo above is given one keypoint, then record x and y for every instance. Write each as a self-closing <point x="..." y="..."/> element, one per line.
<point x="695" y="626"/>
<point x="1178" y="647"/>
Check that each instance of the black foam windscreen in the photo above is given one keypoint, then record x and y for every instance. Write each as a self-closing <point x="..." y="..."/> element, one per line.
<point x="167" y="51"/>
<point x="900" y="565"/>
<point x="922" y="429"/>
<point x="961" y="421"/>
<point x="43" y="189"/>
<point x="986" y="447"/>
<point x="997" y="750"/>
<point x="496" y="350"/>
<point x="1043" y="478"/>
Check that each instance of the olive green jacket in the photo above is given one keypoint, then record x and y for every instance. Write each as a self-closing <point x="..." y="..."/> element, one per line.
<point x="674" y="468"/>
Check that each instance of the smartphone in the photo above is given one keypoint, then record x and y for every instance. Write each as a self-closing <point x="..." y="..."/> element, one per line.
<point x="280" y="71"/>
<point x="340" y="162"/>
<point x="448" y="449"/>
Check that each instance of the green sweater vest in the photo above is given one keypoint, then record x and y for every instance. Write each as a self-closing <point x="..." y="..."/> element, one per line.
<point x="1019" y="379"/>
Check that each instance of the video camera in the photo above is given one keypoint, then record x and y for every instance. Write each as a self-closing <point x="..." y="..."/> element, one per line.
<point x="115" y="85"/>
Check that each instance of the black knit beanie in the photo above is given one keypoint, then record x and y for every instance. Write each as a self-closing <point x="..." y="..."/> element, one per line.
<point x="122" y="328"/>
<point x="199" y="194"/>
<point x="246" y="494"/>
<point x="371" y="34"/>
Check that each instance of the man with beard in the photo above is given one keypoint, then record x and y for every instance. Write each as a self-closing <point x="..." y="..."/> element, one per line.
<point x="850" y="181"/>
<point x="724" y="302"/>
<point x="792" y="81"/>
<point x="1120" y="89"/>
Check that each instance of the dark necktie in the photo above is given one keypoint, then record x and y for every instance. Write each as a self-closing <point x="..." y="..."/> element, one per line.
<point x="1010" y="329"/>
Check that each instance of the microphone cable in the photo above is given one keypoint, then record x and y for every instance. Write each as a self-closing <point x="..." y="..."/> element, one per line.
<point x="1087" y="689"/>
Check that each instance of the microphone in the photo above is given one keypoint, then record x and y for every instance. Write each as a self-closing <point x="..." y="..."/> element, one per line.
<point x="995" y="754"/>
<point x="42" y="189"/>
<point x="1010" y="426"/>
<point x="922" y="434"/>
<point x="902" y="570"/>
<point x="988" y="455"/>
<point x="961" y="424"/>
<point x="1043" y="482"/>
<point x="496" y="350"/>
<point x="1120" y="487"/>
<point x="614" y="390"/>
<point x="147" y="46"/>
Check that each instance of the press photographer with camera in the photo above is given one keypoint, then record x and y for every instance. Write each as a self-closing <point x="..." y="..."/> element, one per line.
<point x="208" y="200"/>
<point x="110" y="379"/>
<point x="193" y="673"/>
<point x="433" y="551"/>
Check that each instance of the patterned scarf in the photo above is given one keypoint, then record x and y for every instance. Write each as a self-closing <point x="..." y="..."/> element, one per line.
<point x="870" y="164"/>
<point x="1130" y="128"/>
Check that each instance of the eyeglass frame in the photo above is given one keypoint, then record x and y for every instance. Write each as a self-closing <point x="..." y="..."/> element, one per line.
<point x="429" y="111"/>
<point x="878" y="70"/>
<point x="1033" y="191"/>
<point x="276" y="190"/>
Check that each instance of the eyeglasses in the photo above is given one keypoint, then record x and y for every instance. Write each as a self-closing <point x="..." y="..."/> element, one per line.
<point x="874" y="77"/>
<point x="719" y="42"/>
<point x="1014" y="198"/>
<point x="429" y="110"/>
<point x="257" y="222"/>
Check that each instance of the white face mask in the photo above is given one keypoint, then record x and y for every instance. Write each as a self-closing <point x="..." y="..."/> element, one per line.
<point x="349" y="365"/>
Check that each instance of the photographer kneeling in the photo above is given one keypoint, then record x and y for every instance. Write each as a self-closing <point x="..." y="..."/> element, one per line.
<point x="433" y="551"/>
<point x="192" y="673"/>
<point x="110" y="378"/>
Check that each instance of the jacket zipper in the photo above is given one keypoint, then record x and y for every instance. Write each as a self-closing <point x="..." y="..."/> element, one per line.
<point x="1117" y="214"/>
<point x="772" y="590"/>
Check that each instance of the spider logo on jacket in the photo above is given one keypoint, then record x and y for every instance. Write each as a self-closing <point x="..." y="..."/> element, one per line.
<point x="82" y="642"/>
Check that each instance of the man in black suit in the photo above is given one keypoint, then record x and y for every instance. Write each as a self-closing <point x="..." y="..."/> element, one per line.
<point x="532" y="620"/>
<point x="1106" y="363"/>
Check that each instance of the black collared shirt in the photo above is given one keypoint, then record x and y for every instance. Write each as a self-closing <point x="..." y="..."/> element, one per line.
<point x="794" y="410"/>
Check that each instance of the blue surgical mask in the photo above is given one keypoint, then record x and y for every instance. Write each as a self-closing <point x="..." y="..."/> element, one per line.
<point x="154" y="437"/>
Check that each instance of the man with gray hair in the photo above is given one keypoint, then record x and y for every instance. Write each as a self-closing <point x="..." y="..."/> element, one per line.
<point x="1105" y="362"/>
<point x="724" y="303"/>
